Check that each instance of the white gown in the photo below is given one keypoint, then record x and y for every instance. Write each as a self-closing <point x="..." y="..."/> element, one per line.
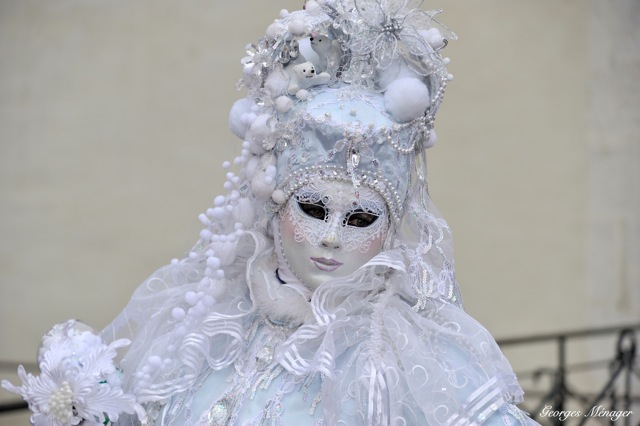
<point x="369" y="357"/>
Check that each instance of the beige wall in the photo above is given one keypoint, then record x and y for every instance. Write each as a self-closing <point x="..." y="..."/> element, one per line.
<point x="113" y="126"/>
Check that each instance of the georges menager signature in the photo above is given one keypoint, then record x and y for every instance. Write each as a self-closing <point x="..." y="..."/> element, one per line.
<point x="598" y="411"/>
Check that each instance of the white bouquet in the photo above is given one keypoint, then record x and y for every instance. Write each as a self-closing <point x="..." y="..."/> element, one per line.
<point x="79" y="382"/>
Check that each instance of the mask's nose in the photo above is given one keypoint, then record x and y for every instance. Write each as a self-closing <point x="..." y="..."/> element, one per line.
<point x="330" y="238"/>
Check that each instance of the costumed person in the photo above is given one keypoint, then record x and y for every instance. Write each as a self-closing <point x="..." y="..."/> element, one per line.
<point x="322" y="288"/>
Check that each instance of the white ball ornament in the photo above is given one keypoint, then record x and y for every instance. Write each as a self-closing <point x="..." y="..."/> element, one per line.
<point x="178" y="314"/>
<point x="406" y="99"/>
<point x="237" y="121"/>
<point x="297" y="27"/>
<point x="191" y="297"/>
<point x="284" y="104"/>
<point x="302" y="94"/>
<point x="213" y="262"/>
<point x="205" y="234"/>
<point x="431" y="141"/>
<point x="278" y="197"/>
<point x="204" y="219"/>
<point x="218" y="212"/>
<point x="273" y="31"/>
<point x="311" y="5"/>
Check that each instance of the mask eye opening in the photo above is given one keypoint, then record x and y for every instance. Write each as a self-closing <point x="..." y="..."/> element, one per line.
<point x="314" y="210"/>
<point x="360" y="218"/>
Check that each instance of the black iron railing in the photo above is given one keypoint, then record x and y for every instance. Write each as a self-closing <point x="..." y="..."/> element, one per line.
<point x="613" y="402"/>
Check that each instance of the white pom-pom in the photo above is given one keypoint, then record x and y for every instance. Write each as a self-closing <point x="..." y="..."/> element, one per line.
<point x="271" y="170"/>
<point x="446" y="61"/>
<point x="213" y="262"/>
<point x="278" y="197"/>
<point x="191" y="297"/>
<point x="277" y="82"/>
<point x="219" y="200"/>
<point x="204" y="219"/>
<point x="434" y="38"/>
<point x="302" y="94"/>
<point x="431" y="141"/>
<point x="226" y="165"/>
<point x="406" y="99"/>
<point x="273" y="31"/>
<point x="205" y="234"/>
<point x="284" y="13"/>
<point x="178" y="314"/>
<point x="218" y="213"/>
<point x="155" y="361"/>
<point x="237" y="123"/>
<point x="297" y="27"/>
<point x="284" y="104"/>
<point x="310" y="5"/>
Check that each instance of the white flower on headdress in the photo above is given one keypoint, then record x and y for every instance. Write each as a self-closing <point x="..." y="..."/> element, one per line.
<point x="389" y="29"/>
<point x="75" y="386"/>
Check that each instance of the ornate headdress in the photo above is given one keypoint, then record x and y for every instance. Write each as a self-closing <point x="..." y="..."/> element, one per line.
<point x="343" y="90"/>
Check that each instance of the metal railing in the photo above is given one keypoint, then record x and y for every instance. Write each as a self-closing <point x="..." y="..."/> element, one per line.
<point x="615" y="396"/>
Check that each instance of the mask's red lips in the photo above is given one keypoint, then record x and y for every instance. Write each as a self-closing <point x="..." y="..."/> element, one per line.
<point x="325" y="264"/>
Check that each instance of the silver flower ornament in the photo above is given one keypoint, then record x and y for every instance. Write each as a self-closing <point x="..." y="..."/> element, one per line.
<point x="387" y="30"/>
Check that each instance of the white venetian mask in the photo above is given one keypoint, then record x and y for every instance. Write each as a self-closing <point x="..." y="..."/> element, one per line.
<point x="329" y="230"/>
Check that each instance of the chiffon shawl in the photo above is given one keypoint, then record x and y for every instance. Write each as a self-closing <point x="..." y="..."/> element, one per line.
<point x="388" y="361"/>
